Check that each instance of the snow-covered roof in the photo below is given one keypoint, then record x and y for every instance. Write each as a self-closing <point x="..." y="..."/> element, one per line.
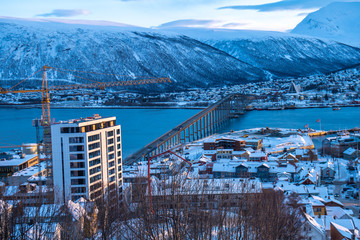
<point x="314" y="223"/>
<point x="345" y="232"/>
<point x="30" y="171"/>
<point x="336" y="212"/>
<point x="349" y="151"/>
<point x="17" y="160"/>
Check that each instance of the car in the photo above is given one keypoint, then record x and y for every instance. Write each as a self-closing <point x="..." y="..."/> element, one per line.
<point x="336" y="195"/>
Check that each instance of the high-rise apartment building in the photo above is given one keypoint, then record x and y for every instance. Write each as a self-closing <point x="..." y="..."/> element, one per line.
<point x="87" y="159"/>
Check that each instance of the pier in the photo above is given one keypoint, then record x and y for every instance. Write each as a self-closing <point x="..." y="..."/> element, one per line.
<point x="201" y="125"/>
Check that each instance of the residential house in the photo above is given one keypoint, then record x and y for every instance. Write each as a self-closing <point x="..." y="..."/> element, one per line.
<point x="328" y="172"/>
<point x="258" y="156"/>
<point x="254" y="143"/>
<point x="288" y="157"/>
<point x="306" y="154"/>
<point x="339" y="232"/>
<point x="351" y="154"/>
<point x="263" y="172"/>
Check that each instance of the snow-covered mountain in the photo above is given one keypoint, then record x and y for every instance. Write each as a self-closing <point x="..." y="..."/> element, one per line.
<point x="339" y="21"/>
<point x="190" y="57"/>
<point x="282" y="54"/>
<point x="26" y="46"/>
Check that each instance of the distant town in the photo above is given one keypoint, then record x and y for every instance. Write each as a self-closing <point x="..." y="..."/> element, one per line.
<point x="336" y="89"/>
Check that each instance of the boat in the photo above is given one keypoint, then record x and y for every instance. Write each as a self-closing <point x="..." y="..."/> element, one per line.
<point x="336" y="108"/>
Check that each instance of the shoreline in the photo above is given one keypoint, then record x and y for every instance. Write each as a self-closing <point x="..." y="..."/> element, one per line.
<point x="38" y="106"/>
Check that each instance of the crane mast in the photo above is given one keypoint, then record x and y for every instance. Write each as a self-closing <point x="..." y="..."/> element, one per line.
<point x="46" y="125"/>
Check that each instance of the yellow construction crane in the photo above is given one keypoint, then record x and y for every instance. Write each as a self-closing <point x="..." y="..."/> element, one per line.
<point x="45" y="90"/>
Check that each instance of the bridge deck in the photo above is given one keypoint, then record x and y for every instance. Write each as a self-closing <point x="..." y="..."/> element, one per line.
<point x="207" y="119"/>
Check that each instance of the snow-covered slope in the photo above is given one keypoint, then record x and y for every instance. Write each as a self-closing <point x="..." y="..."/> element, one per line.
<point x="26" y="46"/>
<point x="339" y="21"/>
<point x="282" y="54"/>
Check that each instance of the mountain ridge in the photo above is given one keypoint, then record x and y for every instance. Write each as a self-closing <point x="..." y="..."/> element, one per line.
<point x="338" y="21"/>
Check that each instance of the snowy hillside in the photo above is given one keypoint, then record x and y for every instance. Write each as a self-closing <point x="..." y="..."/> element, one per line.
<point x="26" y="46"/>
<point x="339" y="21"/>
<point x="282" y="54"/>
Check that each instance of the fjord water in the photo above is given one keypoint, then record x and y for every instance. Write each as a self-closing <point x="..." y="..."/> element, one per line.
<point x="141" y="126"/>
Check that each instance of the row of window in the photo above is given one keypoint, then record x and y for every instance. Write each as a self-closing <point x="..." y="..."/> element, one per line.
<point x="95" y="195"/>
<point x="78" y="173"/>
<point x="93" y="138"/>
<point x="78" y="181"/>
<point x="70" y="130"/>
<point x="76" y="140"/>
<point x="95" y="170"/>
<point x="94" y="154"/>
<point x="94" y="145"/>
<point x="95" y="186"/>
<point x="78" y="190"/>
<point x="79" y="156"/>
<point x="94" y="162"/>
<point x="95" y="178"/>
<point x="76" y="148"/>
<point x="77" y="164"/>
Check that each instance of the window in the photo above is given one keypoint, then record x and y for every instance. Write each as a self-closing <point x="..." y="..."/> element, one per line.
<point x="110" y="134"/>
<point x="110" y="149"/>
<point x="117" y="131"/>
<point x="76" y="140"/>
<point x="119" y="175"/>
<point x="112" y="179"/>
<point x="119" y="161"/>
<point x="79" y="156"/>
<point x="94" y="145"/>
<point x="119" y="168"/>
<point x="79" y="181"/>
<point x="118" y="146"/>
<point x="77" y="165"/>
<point x="111" y="156"/>
<point x="111" y="171"/>
<point x="111" y="164"/>
<point x="94" y="154"/>
<point x="95" y="194"/>
<point x="78" y="190"/>
<point x="94" y="162"/>
<point x="79" y="173"/>
<point x="119" y="153"/>
<point x="76" y="148"/>
<point x="69" y="130"/>
<point x="95" y="178"/>
<point x="95" y="170"/>
<point x="64" y="130"/>
<point x="118" y="139"/>
<point x="111" y="141"/>
<point x="95" y="186"/>
<point x="93" y="138"/>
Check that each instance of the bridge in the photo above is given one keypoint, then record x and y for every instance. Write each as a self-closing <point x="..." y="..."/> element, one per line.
<point x="201" y="125"/>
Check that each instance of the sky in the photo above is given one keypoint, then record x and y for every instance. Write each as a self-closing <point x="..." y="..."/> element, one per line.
<point x="270" y="15"/>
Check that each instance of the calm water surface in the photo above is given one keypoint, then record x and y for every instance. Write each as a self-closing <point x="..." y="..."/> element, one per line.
<point x="140" y="126"/>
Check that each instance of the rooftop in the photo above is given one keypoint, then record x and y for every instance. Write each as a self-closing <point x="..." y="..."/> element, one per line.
<point x="17" y="160"/>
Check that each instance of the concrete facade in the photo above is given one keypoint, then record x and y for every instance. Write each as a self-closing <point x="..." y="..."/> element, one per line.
<point x="87" y="159"/>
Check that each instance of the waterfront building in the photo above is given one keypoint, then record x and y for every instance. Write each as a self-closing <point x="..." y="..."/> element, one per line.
<point x="87" y="159"/>
<point x="336" y="146"/>
<point x="14" y="163"/>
